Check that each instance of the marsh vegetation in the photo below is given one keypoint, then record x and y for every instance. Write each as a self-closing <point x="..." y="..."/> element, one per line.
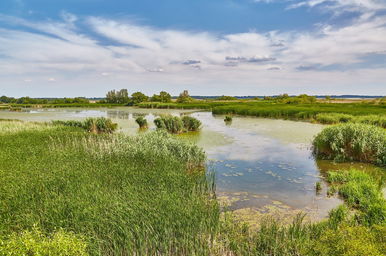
<point x="65" y="188"/>
<point x="176" y="125"/>
<point x="352" y="142"/>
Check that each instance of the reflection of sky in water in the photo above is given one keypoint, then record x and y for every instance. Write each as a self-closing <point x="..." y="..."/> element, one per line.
<point x="257" y="163"/>
<point x="259" y="156"/>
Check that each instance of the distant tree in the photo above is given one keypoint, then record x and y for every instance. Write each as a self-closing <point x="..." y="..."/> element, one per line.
<point x="184" y="97"/>
<point x="111" y="97"/>
<point x="138" y="97"/>
<point x="120" y="97"/>
<point x="165" y="97"/>
<point x="226" y="98"/>
<point x="5" y="99"/>
<point x="162" y="97"/>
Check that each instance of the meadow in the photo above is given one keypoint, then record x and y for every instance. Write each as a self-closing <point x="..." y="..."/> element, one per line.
<point x="67" y="191"/>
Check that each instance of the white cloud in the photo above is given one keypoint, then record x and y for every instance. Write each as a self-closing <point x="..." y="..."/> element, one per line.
<point x="125" y="53"/>
<point x="339" y="6"/>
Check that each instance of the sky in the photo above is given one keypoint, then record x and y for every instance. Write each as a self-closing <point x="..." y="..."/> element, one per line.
<point x="68" y="48"/>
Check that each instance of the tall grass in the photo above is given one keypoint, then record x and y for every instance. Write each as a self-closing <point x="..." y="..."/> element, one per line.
<point x="352" y="142"/>
<point x="361" y="191"/>
<point x="93" y="125"/>
<point x="125" y="195"/>
<point x="111" y="194"/>
<point x="334" y="118"/>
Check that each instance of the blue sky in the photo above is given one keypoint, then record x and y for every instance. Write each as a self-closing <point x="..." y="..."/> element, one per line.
<point x="210" y="47"/>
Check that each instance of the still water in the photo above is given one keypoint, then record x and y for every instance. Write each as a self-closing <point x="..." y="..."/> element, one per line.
<point x="262" y="166"/>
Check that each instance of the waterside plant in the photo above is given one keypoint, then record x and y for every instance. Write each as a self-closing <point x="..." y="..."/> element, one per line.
<point x="176" y="125"/>
<point x="352" y="142"/>
<point x="142" y="122"/>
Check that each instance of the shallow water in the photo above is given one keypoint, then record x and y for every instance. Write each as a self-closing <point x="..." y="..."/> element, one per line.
<point x="262" y="165"/>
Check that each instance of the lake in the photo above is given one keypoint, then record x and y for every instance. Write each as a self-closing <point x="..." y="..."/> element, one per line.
<point x="262" y="166"/>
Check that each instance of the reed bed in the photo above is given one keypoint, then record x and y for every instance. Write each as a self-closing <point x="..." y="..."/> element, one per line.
<point x="143" y="195"/>
<point x="352" y="142"/>
<point x="176" y="125"/>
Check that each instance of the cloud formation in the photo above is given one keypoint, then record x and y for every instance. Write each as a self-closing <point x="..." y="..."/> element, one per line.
<point x="125" y="52"/>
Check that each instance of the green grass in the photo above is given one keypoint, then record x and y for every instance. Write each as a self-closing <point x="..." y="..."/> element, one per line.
<point x="326" y="113"/>
<point x="64" y="191"/>
<point x="93" y="125"/>
<point x="352" y="142"/>
<point x="362" y="192"/>
<point x="126" y="195"/>
<point x="34" y="242"/>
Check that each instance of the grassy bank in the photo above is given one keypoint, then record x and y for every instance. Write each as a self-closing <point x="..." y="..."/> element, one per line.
<point x="125" y="195"/>
<point x="326" y="113"/>
<point x="65" y="191"/>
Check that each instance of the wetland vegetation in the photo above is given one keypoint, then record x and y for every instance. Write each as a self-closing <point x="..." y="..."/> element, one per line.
<point x="66" y="187"/>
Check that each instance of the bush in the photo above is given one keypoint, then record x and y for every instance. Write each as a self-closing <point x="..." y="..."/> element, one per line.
<point x="142" y="122"/>
<point x="100" y="125"/>
<point x="191" y="123"/>
<point x="228" y="119"/>
<point x="352" y="142"/>
<point x="172" y="124"/>
<point x="36" y="243"/>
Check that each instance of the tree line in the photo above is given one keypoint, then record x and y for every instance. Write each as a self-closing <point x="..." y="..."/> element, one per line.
<point x="28" y="100"/>
<point x="122" y="97"/>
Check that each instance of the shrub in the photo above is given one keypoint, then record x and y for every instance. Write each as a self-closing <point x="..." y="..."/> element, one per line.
<point x="141" y="121"/>
<point x="318" y="186"/>
<point x="99" y="125"/>
<point x="35" y="242"/>
<point x="228" y="119"/>
<point x="352" y="142"/>
<point x="172" y="124"/>
<point x="191" y="123"/>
